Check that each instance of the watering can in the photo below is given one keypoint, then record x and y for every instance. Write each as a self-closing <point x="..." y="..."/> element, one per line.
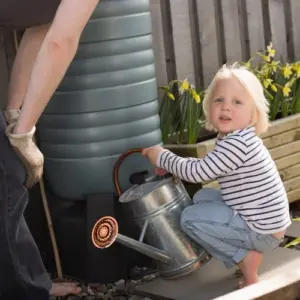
<point x="155" y="204"/>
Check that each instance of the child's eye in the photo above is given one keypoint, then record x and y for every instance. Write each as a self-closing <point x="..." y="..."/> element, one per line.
<point x="218" y="100"/>
<point x="237" y="102"/>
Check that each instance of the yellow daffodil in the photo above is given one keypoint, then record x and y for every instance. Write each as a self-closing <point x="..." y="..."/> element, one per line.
<point x="273" y="66"/>
<point x="265" y="70"/>
<point x="286" y="90"/>
<point x="185" y="85"/>
<point x="247" y="64"/>
<point x="267" y="82"/>
<point x="296" y="68"/>
<point x="271" y="51"/>
<point x="267" y="58"/>
<point x="274" y="88"/>
<point x="287" y="71"/>
<point x="171" y="96"/>
<point x="195" y="96"/>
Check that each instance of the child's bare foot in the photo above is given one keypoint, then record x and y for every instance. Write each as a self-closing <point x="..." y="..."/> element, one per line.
<point x="249" y="267"/>
<point x="64" y="289"/>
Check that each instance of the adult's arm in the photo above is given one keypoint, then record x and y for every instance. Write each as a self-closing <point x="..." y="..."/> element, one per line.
<point x="57" y="52"/>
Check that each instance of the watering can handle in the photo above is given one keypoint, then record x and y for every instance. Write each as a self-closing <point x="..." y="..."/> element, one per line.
<point x="117" y="167"/>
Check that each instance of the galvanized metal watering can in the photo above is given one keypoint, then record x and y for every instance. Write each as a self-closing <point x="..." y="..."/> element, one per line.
<point x="155" y="204"/>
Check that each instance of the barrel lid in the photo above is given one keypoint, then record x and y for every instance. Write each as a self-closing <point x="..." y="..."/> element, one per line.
<point x="137" y="191"/>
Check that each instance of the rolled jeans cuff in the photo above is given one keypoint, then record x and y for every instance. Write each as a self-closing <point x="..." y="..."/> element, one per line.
<point x="229" y="264"/>
<point x="240" y="255"/>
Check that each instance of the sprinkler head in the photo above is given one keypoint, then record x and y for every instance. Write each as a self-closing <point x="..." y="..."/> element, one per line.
<point x="105" y="232"/>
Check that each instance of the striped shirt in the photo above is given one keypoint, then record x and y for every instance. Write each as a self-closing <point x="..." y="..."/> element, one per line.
<point x="249" y="181"/>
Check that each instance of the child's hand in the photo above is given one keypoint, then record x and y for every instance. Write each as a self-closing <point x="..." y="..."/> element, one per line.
<point x="152" y="153"/>
<point x="160" y="171"/>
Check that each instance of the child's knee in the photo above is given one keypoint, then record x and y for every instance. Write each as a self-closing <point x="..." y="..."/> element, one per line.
<point x="187" y="217"/>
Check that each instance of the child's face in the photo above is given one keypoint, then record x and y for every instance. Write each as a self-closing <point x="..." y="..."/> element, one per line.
<point x="231" y="107"/>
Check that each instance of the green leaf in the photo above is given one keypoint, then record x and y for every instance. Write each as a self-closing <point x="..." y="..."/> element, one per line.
<point x="296" y="97"/>
<point x="276" y="105"/>
<point x="293" y="243"/>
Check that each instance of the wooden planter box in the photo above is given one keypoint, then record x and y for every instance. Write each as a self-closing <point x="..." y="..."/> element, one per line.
<point x="283" y="141"/>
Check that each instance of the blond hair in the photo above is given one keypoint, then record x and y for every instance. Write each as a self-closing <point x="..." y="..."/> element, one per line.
<point x="253" y="87"/>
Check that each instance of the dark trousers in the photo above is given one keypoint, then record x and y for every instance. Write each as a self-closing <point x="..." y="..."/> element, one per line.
<point x="22" y="273"/>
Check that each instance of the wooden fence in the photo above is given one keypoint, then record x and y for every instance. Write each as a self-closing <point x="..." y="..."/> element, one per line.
<point x="193" y="38"/>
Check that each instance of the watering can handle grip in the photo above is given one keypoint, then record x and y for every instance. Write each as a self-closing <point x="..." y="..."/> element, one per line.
<point x="117" y="167"/>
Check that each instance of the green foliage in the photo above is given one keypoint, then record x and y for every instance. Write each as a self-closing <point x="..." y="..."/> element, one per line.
<point x="281" y="82"/>
<point x="181" y="111"/>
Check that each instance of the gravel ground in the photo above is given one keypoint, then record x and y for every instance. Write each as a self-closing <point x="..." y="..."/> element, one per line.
<point x="119" y="290"/>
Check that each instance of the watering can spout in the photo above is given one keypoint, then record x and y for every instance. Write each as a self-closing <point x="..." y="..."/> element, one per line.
<point x="105" y="233"/>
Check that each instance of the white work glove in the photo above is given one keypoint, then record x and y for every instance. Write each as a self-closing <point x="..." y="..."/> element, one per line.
<point x="28" y="152"/>
<point x="11" y="115"/>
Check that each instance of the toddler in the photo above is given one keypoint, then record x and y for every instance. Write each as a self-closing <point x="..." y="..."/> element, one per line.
<point x="250" y="213"/>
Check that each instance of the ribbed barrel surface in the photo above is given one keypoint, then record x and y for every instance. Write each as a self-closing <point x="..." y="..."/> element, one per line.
<point x="105" y="105"/>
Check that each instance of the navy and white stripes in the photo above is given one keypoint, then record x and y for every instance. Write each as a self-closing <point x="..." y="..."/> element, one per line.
<point x="248" y="178"/>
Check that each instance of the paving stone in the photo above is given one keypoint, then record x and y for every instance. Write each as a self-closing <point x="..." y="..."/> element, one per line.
<point x="294" y="230"/>
<point x="213" y="279"/>
<point x="134" y="297"/>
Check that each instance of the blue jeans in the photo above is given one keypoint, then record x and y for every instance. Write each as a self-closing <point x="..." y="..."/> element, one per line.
<point x="22" y="273"/>
<point x="221" y="231"/>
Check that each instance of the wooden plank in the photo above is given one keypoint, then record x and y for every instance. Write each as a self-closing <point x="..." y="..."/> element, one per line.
<point x="208" y="39"/>
<point x="282" y="125"/>
<point x="278" y="28"/>
<point x="232" y="30"/>
<point x="158" y="42"/>
<point x="182" y="38"/>
<point x="292" y="184"/>
<point x="283" y="138"/>
<point x="283" y="285"/>
<point x="294" y="195"/>
<point x="285" y="150"/>
<point x="205" y="147"/>
<point x="212" y="185"/>
<point x="288" y="161"/>
<point x="255" y="26"/>
<point x="290" y="172"/>
<point x="294" y="229"/>
<point x="295" y="13"/>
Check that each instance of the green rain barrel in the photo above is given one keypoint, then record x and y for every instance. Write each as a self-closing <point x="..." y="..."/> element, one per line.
<point x="105" y="105"/>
